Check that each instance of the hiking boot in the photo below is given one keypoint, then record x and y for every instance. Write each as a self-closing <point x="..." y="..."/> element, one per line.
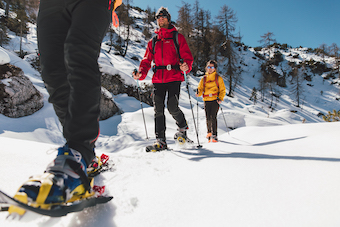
<point x="181" y="136"/>
<point x="159" y="145"/>
<point x="213" y="139"/>
<point x="64" y="178"/>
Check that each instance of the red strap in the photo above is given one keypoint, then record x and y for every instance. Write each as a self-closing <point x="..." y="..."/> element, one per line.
<point x="99" y="189"/>
<point x="110" y="4"/>
<point x="210" y="95"/>
<point x="204" y="81"/>
<point x="216" y="80"/>
<point x="104" y="158"/>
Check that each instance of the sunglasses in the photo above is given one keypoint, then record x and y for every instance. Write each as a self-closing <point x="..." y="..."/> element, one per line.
<point x="159" y="16"/>
<point x="210" y="67"/>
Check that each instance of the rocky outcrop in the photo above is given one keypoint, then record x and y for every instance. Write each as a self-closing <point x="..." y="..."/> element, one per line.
<point x="115" y="84"/>
<point x="18" y="96"/>
<point x="108" y="107"/>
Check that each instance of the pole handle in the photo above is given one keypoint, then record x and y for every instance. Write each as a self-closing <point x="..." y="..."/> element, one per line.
<point x="184" y="73"/>
<point x="136" y="71"/>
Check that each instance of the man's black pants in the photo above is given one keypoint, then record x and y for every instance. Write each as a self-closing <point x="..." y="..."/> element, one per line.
<point x="70" y="33"/>
<point x="159" y="94"/>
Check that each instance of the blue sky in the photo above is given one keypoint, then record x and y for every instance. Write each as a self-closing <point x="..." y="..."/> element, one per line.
<point x="307" y="23"/>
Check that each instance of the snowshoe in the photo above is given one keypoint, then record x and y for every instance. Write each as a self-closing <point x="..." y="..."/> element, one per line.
<point x="64" y="181"/>
<point x="181" y="138"/>
<point x="159" y="145"/>
<point x="56" y="210"/>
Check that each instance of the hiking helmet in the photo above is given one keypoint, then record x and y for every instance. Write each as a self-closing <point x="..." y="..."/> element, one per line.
<point x="163" y="12"/>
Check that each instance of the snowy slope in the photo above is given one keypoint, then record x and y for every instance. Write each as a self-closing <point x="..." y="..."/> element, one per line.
<point x="272" y="170"/>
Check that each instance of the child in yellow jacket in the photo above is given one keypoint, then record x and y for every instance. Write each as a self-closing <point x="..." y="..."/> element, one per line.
<point x="213" y="90"/>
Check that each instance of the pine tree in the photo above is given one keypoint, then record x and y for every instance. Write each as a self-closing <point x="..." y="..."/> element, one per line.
<point x="334" y="51"/>
<point x="227" y="19"/>
<point x="267" y="40"/>
<point x="184" y="22"/>
<point x="198" y="26"/>
<point x="263" y="86"/>
<point x="253" y="96"/>
<point x="323" y="51"/>
<point x="150" y="17"/>
<point x="201" y="36"/>
<point x="206" y="47"/>
<point x="297" y="88"/>
<point x="126" y="22"/>
<point x="216" y="40"/>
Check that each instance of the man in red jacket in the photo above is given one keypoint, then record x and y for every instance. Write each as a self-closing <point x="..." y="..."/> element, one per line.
<point x="168" y="75"/>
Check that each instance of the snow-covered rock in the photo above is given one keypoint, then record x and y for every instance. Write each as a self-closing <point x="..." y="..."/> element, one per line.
<point x="18" y="95"/>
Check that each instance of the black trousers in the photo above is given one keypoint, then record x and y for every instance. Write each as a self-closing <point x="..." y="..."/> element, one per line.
<point x="70" y="33"/>
<point x="159" y="94"/>
<point x="211" y="109"/>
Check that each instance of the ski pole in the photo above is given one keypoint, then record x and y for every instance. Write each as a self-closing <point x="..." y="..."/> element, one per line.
<point x="192" y="111"/>
<point x="224" y="119"/>
<point x="140" y="99"/>
<point x="197" y="114"/>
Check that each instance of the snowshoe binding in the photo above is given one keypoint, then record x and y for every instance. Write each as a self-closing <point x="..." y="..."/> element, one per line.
<point x="159" y="145"/>
<point x="99" y="165"/>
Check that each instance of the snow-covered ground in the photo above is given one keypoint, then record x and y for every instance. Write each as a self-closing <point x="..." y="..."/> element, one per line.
<point x="272" y="170"/>
<point x="255" y="176"/>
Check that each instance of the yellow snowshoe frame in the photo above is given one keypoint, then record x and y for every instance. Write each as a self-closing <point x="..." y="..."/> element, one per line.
<point x="46" y="184"/>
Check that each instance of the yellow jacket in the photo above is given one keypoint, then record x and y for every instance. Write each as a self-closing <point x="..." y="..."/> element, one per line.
<point x="211" y="90"/>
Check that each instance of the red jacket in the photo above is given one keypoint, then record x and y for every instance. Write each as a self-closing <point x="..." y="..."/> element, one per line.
<point x="165" y="54"/>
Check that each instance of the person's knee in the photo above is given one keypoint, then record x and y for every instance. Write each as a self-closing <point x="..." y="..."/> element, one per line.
<point x="173" y="105"/>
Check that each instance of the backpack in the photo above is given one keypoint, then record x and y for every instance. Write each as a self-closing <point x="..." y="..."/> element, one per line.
<point x="174" y="37"/>
<point x="216" y="81"/>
